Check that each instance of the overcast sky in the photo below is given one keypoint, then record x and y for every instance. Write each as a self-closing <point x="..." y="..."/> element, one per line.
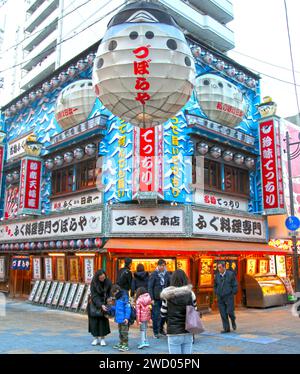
<point x="261" y="32"/>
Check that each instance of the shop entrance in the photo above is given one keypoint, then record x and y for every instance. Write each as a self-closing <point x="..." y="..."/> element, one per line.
<point x="20" y="283"/>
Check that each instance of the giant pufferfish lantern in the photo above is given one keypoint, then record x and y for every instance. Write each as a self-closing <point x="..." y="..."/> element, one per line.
<point x="144" y="71"/>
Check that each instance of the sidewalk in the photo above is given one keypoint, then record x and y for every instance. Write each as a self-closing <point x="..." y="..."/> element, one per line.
<point x="30" y="329"/>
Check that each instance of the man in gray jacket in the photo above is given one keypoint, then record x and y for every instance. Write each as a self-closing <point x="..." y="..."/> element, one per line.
<point x="226" y="287"/>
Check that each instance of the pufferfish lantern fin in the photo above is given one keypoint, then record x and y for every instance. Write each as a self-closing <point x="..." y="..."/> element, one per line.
<point x="142" y="16"/>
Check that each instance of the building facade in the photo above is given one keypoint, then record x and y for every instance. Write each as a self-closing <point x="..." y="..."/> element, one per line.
<point x="80" y="191"/>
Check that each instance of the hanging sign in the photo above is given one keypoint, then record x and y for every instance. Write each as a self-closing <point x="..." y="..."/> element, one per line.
<point x="48" y="268"/>
<point x="30" y="186"/>
<point x="20" y="263"/>
<point x="2" y="268"/>
<point x="33" y="291"/>
<point x="271" y="167"/>
<point x="88" y="269"/>
<point x="36" y="262"/>
<point x="11" y="202"/>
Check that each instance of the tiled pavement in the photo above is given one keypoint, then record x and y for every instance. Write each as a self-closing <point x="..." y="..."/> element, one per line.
<point x="29" y="329"/>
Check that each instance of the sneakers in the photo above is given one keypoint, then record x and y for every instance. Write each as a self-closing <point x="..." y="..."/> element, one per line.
<point x="95" y="341"/>
<point x="123" y="348"/>
<point x="156" y="336"/>
<point x="143" y="345"/>
<point x="102" y="342"/>
<point x="117" y="346"/>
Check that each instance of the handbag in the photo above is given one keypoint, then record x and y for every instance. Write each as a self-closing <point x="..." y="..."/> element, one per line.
<point x="193" y="323"/>
<point x="94" y="311"/>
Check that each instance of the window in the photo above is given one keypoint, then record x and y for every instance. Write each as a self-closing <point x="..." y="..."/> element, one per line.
<point x="212" y="175"/>
<point x="63" y="180"/>
<point x="236" y="180"/>
<point x="86" y="175"/>
<point x="74" y="178"/>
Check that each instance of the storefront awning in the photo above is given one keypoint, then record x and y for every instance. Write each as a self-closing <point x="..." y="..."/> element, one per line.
<point x="191" y="246"/>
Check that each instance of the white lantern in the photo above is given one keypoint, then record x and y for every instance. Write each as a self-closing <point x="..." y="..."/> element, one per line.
<point x="251" y="82"/>
<point x="208" y="58"/>
<point x="7" y="113"/>
<point x="46" y="86"/>
<point x="25" y="100"/>
<point x="230" y="71"/>
<point x="63" y="76"/>
<point x="220" y="100"/>
<point x="19" y="104"/>
<point x="68" y="157"/>
<point x="250" y="162"/>
<point x="220" y="65"/>
<point x="202" y="148"/>
<point x="90" y="58"/>
<point x="49" y="163"/>
<point x="241" y="77"/>
<point x="74" y="103"/>
<point x="78" y="153"/>
<point x="144" y="70"/>
<point x="9" y="178"/>
<point x="196" y="51"/>
<point x="39" y="93"/>
<point x="72" y="71"/>
<point x="216" y="151"/>
<point x="13" y="109"/>
<point x="55" y="82"/>
<point x="90" y="149"/>
<point x="32" y="96"/>
<point x="239" y="159"/>
<point x="81" y="65"/>
<point x="58" y="160"/>
<point x="16" y="175"/>
<point x="227" y="156"/>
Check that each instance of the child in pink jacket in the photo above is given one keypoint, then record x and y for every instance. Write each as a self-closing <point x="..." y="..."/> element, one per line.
<point x="143" y="314"/>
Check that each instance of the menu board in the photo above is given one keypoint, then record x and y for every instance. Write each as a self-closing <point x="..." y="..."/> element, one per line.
<point x="60" y="269"/>
<point x="39" y="291"/>
<point x="34" y="290"/>
<point x="78" y="296"/>
<point x="206" y="272"/>
<point x="64" y="295"/>
<point x="71" y="295"/>
<point x="263" y="266"/>
<point x="280" y="266"/>
<point x="251" y="266"/>
<point x="51" y="293"/>
<point x="272" y="265"/>
<point x="74" y="269"/>
<point x="85" y="300"/>
<point x="58" y="293"/>
<point x="45" y="292"/>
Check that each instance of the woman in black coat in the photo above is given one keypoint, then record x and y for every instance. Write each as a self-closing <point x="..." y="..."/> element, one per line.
<point x="100" y="292"/>
<point x="140" y="279"/>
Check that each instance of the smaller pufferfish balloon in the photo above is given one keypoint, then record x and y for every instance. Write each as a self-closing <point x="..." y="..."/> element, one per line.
<point x="144" y="70"/>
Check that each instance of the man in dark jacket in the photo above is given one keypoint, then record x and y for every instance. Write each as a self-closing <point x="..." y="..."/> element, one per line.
<point x="124" y="278"/>
<point x="159" y="280"/>
<point x="226" y="287"/>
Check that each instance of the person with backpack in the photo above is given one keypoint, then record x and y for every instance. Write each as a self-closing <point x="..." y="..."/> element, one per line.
<point x="124" y="277"/>
<point x="143" y="314"/>
<point x="175" y="300"/>
<point x="140" y="279"/>
<point x="159" y="280"/>
<point x="122" y="311"/>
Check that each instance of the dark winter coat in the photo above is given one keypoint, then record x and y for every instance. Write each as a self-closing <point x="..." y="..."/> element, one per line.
<point x="140" y="279"/>
<point x="174" y="302"/>
<point x="154" y="286"/>
<point x="100" y="291"/>
<point x="122" y="309"/>
<point x="226" y="285"/>
<point x="124" y="278"/>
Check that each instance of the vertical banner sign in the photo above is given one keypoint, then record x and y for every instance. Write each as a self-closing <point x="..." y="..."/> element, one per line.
<point x="11" y="202"/>
<point x="1" y="165"/>
<point x="30" y="186"/>
<point x="147" y="164"/>
<point x="148" y="160"/>
<point x="36" y="268"/>
<point x="48" y="268"/>
<point x="88" y="269"/>
<point x="271" y="169"/>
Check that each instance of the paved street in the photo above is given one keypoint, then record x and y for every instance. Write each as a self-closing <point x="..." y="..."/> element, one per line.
<point x="28" y="328"/>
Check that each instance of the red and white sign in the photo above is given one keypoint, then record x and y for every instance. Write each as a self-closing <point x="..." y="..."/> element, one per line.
<point x="30" y="186"/>
<point x="271" y="167"/>
<point x="11" y="202"/>
<point x="148" y="160"/>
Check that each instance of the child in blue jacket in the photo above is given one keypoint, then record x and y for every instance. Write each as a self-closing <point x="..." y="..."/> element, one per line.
<point x="121" y="310"/>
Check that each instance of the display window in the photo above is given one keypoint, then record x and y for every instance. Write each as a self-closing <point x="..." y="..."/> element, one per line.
<point x="206" y="272"/>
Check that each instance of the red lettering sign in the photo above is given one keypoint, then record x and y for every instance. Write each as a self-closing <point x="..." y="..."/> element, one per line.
<point x="271" y="169"/>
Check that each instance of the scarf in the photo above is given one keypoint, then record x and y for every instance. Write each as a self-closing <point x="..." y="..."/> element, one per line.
<point x="161" y="275"/>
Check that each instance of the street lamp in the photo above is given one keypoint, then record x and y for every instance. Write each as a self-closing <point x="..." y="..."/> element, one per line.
<point x="291" y="156"/>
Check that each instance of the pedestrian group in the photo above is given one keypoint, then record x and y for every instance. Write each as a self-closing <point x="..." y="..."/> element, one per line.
<point x="160" y="297"/>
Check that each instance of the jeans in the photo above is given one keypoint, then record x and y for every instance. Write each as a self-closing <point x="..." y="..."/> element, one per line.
<point x="180" y="344"/>
<point x="143" y="330"/>
<point x="158" y="322"/>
